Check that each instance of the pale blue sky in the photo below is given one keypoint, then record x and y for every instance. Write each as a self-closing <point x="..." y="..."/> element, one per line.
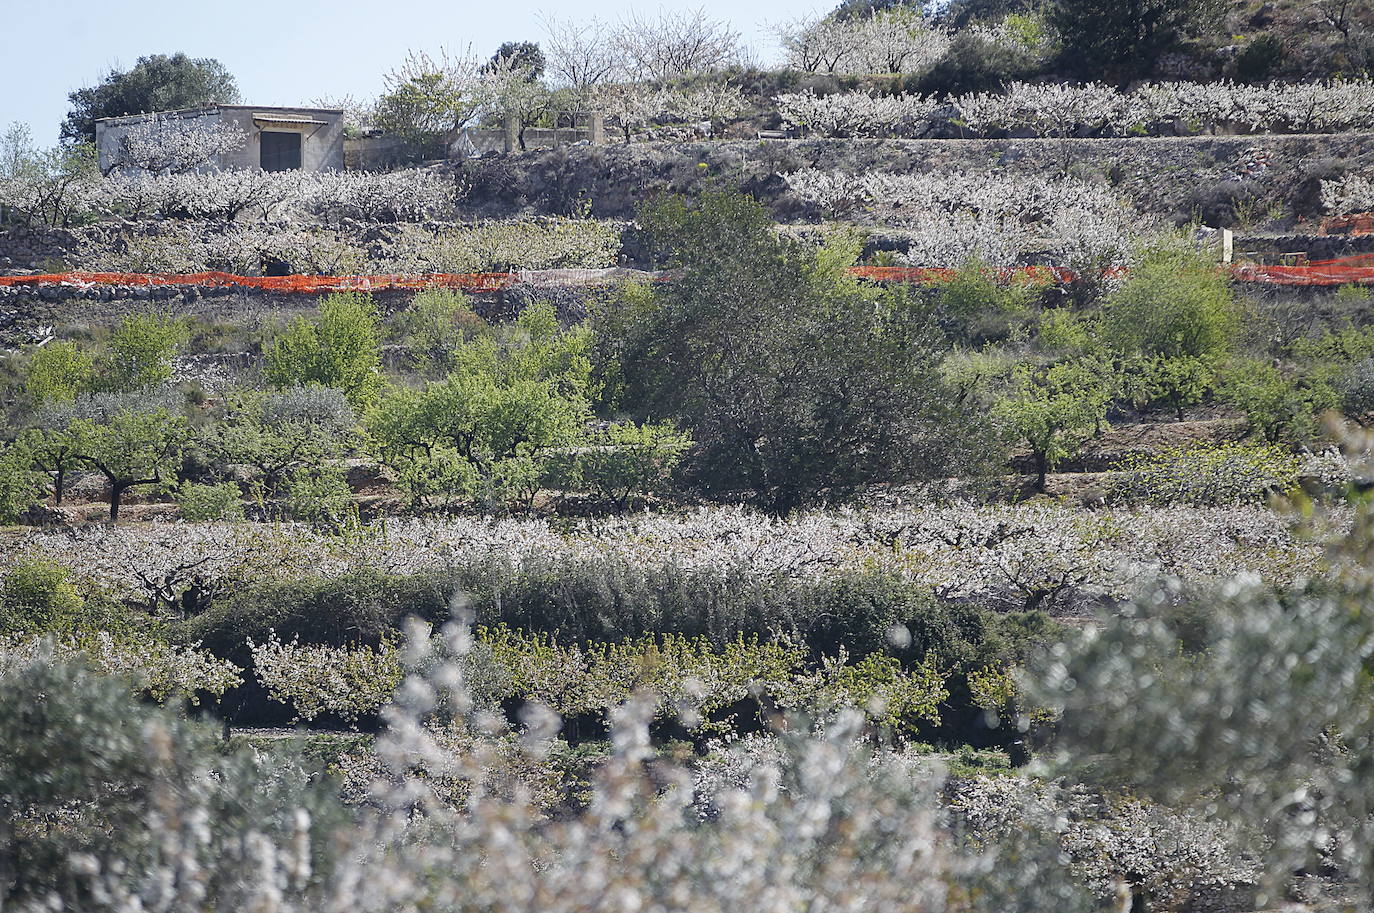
<point x="286" y="52"/>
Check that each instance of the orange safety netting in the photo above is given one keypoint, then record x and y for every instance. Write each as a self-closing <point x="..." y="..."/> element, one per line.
<point x="1357" y="269"/>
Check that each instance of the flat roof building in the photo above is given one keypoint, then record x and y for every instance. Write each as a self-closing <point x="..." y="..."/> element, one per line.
<point x="277" y="139"/>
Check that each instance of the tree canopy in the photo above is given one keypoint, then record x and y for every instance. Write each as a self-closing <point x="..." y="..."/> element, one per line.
<point x="798" y="383"/>
<point x="1124" y="40"/>
<point x="158" y="82"/>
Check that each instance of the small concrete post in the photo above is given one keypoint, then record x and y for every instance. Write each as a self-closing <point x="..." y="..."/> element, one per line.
<point x="512" y="133"/>
<point x="596" y="128"/>
<point x="1228" y="246"/>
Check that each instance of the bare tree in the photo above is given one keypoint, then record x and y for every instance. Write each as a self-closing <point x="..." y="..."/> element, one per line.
<point x="888" y="41"/>
<point x="580" y="55"/>
<point x="675" y="43"/>
<point x="816" y="46"/>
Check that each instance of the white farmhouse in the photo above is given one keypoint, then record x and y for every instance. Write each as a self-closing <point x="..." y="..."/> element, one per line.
<point x="278" y="139"/>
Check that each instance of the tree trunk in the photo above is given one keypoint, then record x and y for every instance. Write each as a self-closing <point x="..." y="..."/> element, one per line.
<point x="116" y="495"/>
<point x="1042" y="469"/>
<point x="58" y="484"/>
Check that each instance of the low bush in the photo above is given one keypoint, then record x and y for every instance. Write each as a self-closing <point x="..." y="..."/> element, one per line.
<point x="1232" y="473"/>
<point x="360" y="606"/>
<point x="38" y="597"/>
<point x="201" y="503"/>
<point x="688" y="678"/>
<point x="603" y="600"/>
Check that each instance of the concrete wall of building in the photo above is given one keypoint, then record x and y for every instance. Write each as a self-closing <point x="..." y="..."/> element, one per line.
<point x="376" y="152"/>
<point x="109" y="132"/>
<point x="322" y="145"/>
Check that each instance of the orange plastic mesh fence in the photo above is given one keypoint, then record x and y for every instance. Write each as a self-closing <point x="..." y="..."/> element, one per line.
<point x="1358" y="269"/>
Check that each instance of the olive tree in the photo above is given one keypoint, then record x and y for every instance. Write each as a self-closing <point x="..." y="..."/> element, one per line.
<point x="798" y="384"/>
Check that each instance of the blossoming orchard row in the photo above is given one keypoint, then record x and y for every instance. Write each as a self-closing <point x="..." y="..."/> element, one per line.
<point x="1057" y="110"/>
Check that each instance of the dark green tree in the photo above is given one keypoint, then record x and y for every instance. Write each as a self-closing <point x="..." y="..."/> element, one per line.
<point x="526" y="55"/>
<point x="158" y="82"/>
<point x="857" y="9"/>
<point x="798" y="384"/>
<point x="1123" y="40"/>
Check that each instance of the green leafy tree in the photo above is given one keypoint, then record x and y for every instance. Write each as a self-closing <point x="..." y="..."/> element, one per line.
<point x="133" y="448"/>
<point x="525" y="54"/>
<point x="1279" y="406"/>
<point x="340" y="350"/>
<point x="157" y="82"/>
<point x="20" y="485"/>
<point x="632" y="460"/>
<point x="798" y="384"/>
<point x="456" y="437"/>
<point x="513" y="398"/>
<point x="976" y="294"/>
<point x="1052" y="412"/>
<point x="278" y="433"/>
<point x="1176" y="382"/>
<point x="1172" y="323"/>
<point x="140" y="353"/>
<point x="1121" y="41"/>
<point x="438" y="323"/>
<point x="57" y="372"/>
<point x="428" y="100"/>
<point x="53" y="445"/>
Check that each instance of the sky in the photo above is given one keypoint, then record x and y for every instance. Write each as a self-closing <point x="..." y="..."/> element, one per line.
<point x="285" y="52"/>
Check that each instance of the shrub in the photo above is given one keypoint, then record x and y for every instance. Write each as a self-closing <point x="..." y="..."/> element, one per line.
<point x="38" y="597"/>
<point x="74" y="744"/>
<point x="139" y="354"/>
<point x="339" y="350"/>
<point x="360" y="606"/>
<point x="1207" y="475"/>
<point x="1175" y="305"/>
<point x="321" y="497"/>
<point x="198" y="503"/>
<point x="57" y="372"/>
<point x="1260" y="60"/>
<point x="1355" y="386"/>
<point x="435" y="326"/>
